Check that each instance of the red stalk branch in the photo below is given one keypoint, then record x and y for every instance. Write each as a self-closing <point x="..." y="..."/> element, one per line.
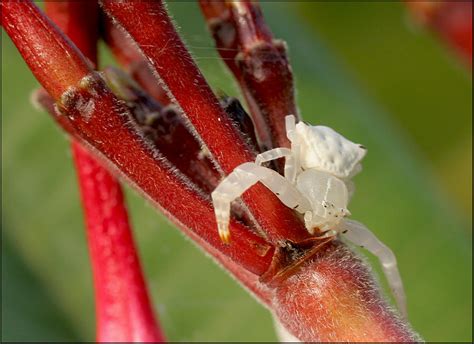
<point x="43" y="53"/>
<point x="222" y="27"/>
<point x="248" y="279"/>
<point x="332" y="298"/>
<point x="127" y="54"/>
<point x="165" y="127"/>
<point x="97" y="117"/>
<point x="79" y="21"/>
<point x="150" y="26"/>
<point x="258" y="61"/>
<point x="124" y="311"/>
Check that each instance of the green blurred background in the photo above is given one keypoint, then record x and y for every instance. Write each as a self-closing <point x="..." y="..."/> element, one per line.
<point x="364" y="69"/>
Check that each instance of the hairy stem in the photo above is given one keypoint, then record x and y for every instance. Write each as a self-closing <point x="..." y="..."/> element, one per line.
<point x="149" y="25"/>
<point x="332" y="297"/>
<point x="43" y="53"/>
<point x="92" y="114"/>
<point x="124" y="311"/>
<point x="258" y="62"/>
<point x="126" y="53"/>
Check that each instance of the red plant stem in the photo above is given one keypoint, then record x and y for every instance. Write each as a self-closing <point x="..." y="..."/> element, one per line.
<point x="265" y="68"/>
<point x="150" y="26"/>
<point x="259" y="63"/>
<point x="222" y="27"/>
<point x="100" y="119"/>
<point x="79" y="21"/>
<point x="124" y="310"/>
<point x="43" y="53"/>
<point x="248" y="279"/>
<point x="451" y="20"/>
<point x="333" y="298"/>
<point x="165" y="127"/>
<point x="107" y="129"/>
<point x="127" y="54"/>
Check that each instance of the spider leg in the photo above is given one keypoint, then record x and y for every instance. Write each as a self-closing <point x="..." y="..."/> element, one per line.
<point x="241" y="179"/>
<point x="290" y="123"/>
<point x="362" y="236"/>
<point x="273" y="154"/>
<point x="291" y="166"/>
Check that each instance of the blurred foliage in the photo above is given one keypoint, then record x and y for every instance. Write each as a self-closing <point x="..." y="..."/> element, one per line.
<point x="361" y="68"/>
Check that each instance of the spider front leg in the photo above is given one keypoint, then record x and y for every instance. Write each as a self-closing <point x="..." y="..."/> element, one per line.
<point x="360" y="235"/>
<point x="291" y="163"/>
<point x="240" y="180"/>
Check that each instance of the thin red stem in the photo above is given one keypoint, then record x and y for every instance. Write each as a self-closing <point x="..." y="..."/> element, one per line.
<point x="79" y="21"/>
<point x="126" y="53"/>
<point x="259" y="63"/>
<point x="149" y="25"/>
<point x="124" y="311"/>
<point x="223" y="29"/>
<point x="265" y="68"/>
<point x="249" y="22"/>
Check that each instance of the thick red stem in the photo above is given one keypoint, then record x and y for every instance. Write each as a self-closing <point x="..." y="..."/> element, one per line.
<point x="44" y="53"/>
<point x="124" y="311"/>
<point x="332" y="297"/>
<point x="150" y="26"/>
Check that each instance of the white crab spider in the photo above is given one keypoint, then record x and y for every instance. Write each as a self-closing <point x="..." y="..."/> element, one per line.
<point x="317" y="183"/>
